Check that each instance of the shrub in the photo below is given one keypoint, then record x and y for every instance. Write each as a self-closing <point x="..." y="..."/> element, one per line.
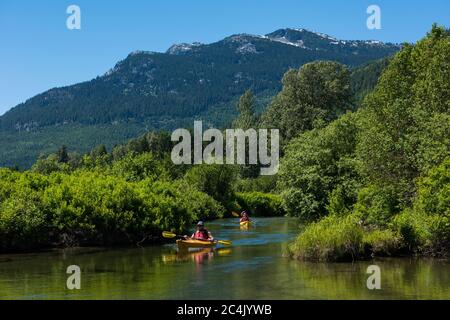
<point x="438" y="240"/>
<point x="426" y="227"/>
<point x="316" y="163"/>
<point x="434" y="191"/>
<point x="342" y="198"/>
<point x="381" y="242"/>
<point x="198" y="205"/>
<point x="93" y="208"/>
<point x="412" y="229"/>
<point x="266" y="184"/>
<point x="423" y="234"/>
<point x="433" y="203"/>
<point x="89" y="208"/>
<point x="138" y="167"/>
<point x="261" y="204"/>
<point x="331" y="239"/>
<point x="377" y="204"/>
<point x="8" y="180"/>
<point x="23" y="222"/>
<point x="213" y="179"/>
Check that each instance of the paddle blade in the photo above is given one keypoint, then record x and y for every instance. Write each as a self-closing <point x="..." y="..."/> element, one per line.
<point x="237" y="215"/>
<point x="167" y="234"/>
<point x="224" y="242"/>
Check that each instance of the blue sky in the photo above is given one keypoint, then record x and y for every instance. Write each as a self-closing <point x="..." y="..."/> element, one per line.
<point x="38" y="52"/>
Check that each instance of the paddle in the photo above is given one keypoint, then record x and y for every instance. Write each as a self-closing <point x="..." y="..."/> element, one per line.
<point x="171" y="235"/>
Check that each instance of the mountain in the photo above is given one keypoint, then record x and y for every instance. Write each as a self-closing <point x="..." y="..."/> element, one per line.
<point x="150" y="90"/>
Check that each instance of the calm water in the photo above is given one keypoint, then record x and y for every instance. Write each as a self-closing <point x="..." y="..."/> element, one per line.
<point x="253" y="268"/>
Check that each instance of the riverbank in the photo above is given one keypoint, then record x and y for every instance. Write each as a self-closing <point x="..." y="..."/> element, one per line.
<point x="376" y="181"/>
<point x="423" y="230"/>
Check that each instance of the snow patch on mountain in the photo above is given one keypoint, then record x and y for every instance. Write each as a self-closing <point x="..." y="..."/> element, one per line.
<point x="247" y="48"/>
<point x="298" y="43"/>
<point x="138" y="52"/>
<point x="183" y="48"/>
<point x="325" y="36"/>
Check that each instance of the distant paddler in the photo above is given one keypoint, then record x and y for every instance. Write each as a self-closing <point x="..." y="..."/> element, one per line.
<point x="244" y="220"/>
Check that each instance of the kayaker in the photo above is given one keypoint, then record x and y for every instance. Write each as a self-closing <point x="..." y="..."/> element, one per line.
<point x="244" y="216"/>
<point x="202" y="233"/>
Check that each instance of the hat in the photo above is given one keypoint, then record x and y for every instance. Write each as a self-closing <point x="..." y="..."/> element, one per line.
<point x="200" y="224"/>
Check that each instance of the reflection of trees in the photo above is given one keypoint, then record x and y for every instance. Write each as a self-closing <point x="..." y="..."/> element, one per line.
<point x="133" y="273"/>
<point x="401" y="279"/>
<point x="239" y="272"/>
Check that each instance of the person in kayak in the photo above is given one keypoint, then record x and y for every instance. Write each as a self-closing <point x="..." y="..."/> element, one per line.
<point x="244" y="217"/>
<point x="202" y="233"/>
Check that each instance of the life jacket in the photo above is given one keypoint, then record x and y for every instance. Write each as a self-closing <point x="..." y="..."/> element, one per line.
<point x="201" y="234"/>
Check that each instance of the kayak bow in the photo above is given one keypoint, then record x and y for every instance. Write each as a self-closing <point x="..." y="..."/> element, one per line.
<point x="245" y="224"/>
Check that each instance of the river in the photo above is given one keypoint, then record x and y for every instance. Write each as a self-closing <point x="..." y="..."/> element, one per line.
<point x="253" y="268"/>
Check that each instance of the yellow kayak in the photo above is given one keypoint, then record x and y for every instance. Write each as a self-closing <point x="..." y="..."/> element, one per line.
<point x="245" y="224"/>
<point x="186" y="244"/>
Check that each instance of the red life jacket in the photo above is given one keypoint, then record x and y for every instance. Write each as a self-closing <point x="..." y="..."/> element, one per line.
<point x="201" y="234"/>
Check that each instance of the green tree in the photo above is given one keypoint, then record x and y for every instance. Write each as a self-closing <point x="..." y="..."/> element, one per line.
<point x="159" y="143"/>
<point x="317" y="164"/>
<point x="215" y="180"/>
<point x="406" y="122"/>
<point x="247" y="119"/>
<point x="99" y="151"/>
<point x="311" y="97"/>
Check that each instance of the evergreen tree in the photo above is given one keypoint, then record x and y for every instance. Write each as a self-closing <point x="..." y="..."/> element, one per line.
<point x="99" y="151"/>
<point x="63" y="156"/>
<point x="246" y="107"/>
<point x="247" y="119"/>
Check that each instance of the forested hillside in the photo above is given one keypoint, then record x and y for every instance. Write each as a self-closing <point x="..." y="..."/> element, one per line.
<point x="152" y="91"/>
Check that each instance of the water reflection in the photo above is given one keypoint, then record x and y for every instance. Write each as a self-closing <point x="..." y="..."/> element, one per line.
<point x="253" y="268"/>
<point x="198" y="256"/>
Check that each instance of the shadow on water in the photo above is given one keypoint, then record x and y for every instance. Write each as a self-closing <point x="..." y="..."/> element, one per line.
<point x="253" y="268"/>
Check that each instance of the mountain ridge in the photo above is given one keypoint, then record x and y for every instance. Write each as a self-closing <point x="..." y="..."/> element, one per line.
<point x="167" y="90"/>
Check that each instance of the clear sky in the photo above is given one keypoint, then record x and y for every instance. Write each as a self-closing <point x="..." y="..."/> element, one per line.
<point x="38" y="52"/>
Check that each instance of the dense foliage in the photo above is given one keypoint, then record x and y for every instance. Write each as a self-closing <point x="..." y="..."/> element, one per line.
<point x="311" y="97"/>
<point x="94" y="208"/>
<point x="385" y="166"/>
<point x="364" y="78"/>
<point x="260" y="204"/>
<point x="319" y="170"/>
